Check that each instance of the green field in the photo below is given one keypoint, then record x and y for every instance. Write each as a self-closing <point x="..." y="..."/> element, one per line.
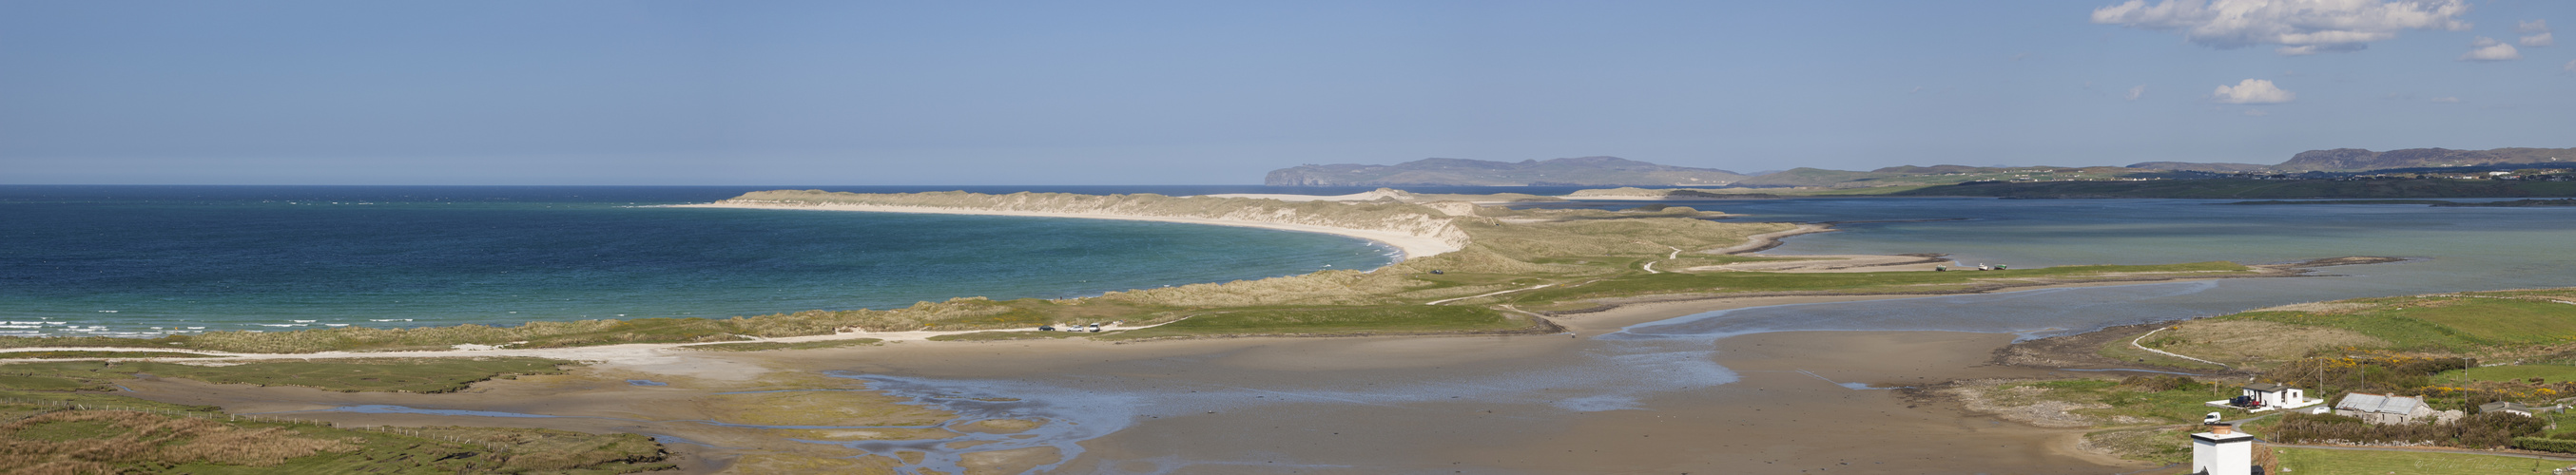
<point x="2545" y="372"/>
<point x="2299" y="461"/>
<point x="2466" y="323"/>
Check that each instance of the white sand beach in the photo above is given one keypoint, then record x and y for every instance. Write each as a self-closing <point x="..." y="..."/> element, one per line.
<point x="1411" y="245"/>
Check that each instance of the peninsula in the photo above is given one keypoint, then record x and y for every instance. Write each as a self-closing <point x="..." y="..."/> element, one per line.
<point x="748" y="395"/>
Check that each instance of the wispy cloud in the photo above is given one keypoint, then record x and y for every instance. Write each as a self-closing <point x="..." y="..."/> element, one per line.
<point x="2488" y="49"/>
<point x="2534" y="26"/>
<point x="2140" y="90"/>
<point x="2447" y="100"/>
<point x="2252" y="91"/>
<point x="2255" y="113"/>
<point x="2300" y="27"/>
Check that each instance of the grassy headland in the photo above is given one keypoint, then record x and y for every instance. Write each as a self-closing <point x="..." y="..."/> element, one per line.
<point x="2456" y="351"/>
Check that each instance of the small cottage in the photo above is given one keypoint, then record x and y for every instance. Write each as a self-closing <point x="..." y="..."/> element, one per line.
<point x="2385" y="409"/>
<point x="2262" y="397"/>
<point x="2276" y="396"/>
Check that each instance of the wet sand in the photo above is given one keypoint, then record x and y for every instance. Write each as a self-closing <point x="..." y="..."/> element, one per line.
<point x="1787" y="413"/>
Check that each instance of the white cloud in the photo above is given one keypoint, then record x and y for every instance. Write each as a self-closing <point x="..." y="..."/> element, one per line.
<point x="2534" y="26"/>
<point x="2134" y="92"/>
<point x="2488" y="49"/>
<point x="2447" y="100"/>
<point x="2538" y="40"/>
<point x="2570" y="67"/>
<point x="2252" y="91"/>
<point x="2301" y="27"/>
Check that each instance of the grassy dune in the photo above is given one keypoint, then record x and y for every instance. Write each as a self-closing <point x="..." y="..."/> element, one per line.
<point x="58" y="422"/>
<point x="396" y="375"/>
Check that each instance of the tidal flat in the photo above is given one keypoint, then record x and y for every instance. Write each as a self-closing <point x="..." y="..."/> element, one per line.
<point x="1732" y="384"/>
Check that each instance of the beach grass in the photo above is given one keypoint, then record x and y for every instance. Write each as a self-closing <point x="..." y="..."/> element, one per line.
<point x="423" y="375"/>
<point x="79" y="354"/>
<point x="2304" y="461"/>
<point x="132" y="436"/>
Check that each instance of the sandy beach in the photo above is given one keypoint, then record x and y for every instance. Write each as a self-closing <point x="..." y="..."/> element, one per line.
<point x="1410" y="244"/>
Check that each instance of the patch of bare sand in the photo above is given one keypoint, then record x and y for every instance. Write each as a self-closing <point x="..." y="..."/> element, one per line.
<point x="998" y="462"/>
<point x="2329" y="308"/>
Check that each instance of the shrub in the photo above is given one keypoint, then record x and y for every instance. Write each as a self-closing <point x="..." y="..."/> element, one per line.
<point x="2545" y="444"/>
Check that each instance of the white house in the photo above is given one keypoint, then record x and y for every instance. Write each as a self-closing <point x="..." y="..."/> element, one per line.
<point x="2268" y="396"/>
<point x="2222" y="451"/>
<point x="2384" y="409"/>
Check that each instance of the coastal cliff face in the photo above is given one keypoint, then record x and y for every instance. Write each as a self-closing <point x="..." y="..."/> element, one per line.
<point x="1585" y="171"/>
<point x="1383" y="216"/>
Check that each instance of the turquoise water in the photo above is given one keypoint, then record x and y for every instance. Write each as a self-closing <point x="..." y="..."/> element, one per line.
<point x="141" y="261"/>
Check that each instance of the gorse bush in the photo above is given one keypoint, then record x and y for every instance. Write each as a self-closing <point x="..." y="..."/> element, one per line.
<point x="2160" y="383"/>
<point x="2478" y="431"/>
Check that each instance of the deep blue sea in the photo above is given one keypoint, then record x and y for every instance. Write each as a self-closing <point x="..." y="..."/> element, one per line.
<point x="144" y="260"/>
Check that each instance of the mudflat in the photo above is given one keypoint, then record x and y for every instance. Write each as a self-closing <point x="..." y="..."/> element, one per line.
<point x="1803" y="402"/>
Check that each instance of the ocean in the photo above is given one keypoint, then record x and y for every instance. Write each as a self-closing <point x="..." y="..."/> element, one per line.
<point x="150" y="260"/>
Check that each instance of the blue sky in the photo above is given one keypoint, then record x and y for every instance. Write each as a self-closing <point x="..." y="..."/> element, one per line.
<point x="577" y="92"/>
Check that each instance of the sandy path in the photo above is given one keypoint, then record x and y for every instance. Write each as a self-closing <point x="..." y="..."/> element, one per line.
<point x="1411" y="245"/>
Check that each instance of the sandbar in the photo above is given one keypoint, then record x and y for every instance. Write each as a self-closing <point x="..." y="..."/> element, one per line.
<point x="1410" y="245"/>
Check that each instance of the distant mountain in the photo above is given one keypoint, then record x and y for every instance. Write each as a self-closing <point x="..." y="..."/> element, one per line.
<point x="2353" y="159"/>
<point x="2202" y="167"/>
<point x="1910" y="175"/>
<point x="1585" y="171"/>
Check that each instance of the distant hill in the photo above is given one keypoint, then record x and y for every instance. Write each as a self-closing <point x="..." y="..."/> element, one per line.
<point x="2257" y="189"/>
<point x="2202" y="167"/>
<point x="2353" y="159"/>
<point x="1910" y="175"/>
<point x="1584" y="171"/>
